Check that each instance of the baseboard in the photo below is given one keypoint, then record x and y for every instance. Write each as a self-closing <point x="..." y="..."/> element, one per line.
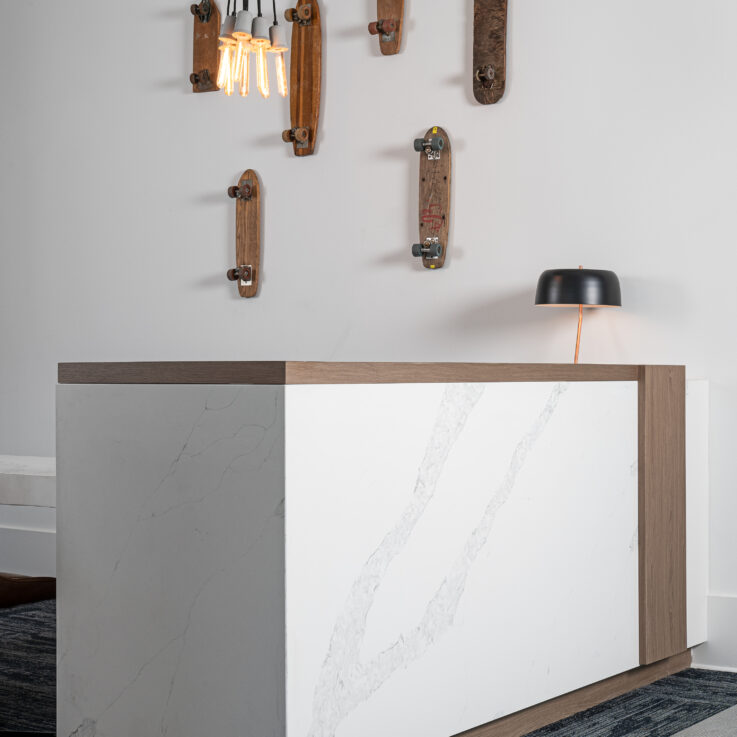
<point x="720" y="650"/>
<point x="535" y="717"/>
<point x="16" y="590"/>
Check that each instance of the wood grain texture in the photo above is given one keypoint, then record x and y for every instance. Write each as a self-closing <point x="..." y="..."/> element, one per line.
<point x="662" y="511"/>
<point x="490" y="48"/>
<point x="391" y="10"/>
<point x="248" y="232"/>
<point x="17" y="590"/>
<point x="295" y="372"/>
<point x="435" y="182"/>
<point x="205" y="50"/>
<point x="306" y="77"/>
<point x="528" y="720"/>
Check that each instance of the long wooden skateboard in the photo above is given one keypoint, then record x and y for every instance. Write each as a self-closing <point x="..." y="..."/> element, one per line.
<point x="247" y="234"/>
<point x="305" y="76"/>
<point x="388" y="27"/>
<point x="205" y="46"/>
<point x="435" y="179"/>
<point x="489" y="50"/>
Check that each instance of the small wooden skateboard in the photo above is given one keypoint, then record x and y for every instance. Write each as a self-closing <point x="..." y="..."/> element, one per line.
<point x="388" y="27"/>
<point x="205" y="46"/>
<point x="489" y="50"/>
<point x="247" y="233"/>
<point x="435" y="178"/>
<point x="305" y="76"/>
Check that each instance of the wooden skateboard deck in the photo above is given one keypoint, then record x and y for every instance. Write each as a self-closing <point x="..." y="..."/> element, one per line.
<point x="435" y="181"/>
<point x="392" y="11"/>
<point x="305" y="76"/>
<point x="205" y="46"/>
<point x="247" y="234"/>
<point x="489" y="50"/>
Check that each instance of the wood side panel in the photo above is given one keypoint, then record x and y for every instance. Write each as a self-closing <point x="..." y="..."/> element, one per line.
<point x="528" y="720"/>
<point x="290" y="372"/>
<point x="662" y="511"/>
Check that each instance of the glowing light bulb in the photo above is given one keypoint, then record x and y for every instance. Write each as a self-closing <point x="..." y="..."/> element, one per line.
<point x="262" y="72"/>
<point x="245" y="75"/>
<point x="225" y="70"/>
<point x="238" y="60"/>
<point x="281" y="73"/>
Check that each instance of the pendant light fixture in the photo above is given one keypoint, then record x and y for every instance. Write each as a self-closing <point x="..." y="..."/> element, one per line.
<point x="278" y="47"/>
<point x="240" y="34"/>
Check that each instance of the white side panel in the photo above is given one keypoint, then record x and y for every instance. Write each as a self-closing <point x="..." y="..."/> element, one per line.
<point x="697" y="508"/>
<point x="455" y="553"/>
<point x="171" y="596"/>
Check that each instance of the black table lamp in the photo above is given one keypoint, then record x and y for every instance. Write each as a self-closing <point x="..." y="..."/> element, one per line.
<point x="590" y="287"/>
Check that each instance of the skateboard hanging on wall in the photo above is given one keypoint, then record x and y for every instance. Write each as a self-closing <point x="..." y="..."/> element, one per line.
<point x="205" y="46"/>
<point x="489" y="50"/>
<point x="435" y="179"/>
<point x="247" y="234"/>
<point x="305" y="76"/>
<point x="388" y="27"/>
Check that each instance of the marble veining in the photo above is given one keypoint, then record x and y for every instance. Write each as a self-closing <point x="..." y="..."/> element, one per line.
<point x="344" y="681"/>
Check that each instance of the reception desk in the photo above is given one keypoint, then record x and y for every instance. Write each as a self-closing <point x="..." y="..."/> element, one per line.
<point x="366" y="550"/>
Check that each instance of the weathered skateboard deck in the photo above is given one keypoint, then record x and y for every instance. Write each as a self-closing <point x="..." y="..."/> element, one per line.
<point x="305" y="76"/>
<point x="205" y="46"/>
<point x="489" y="50"/>
<point x="388" y="26"/>
<point x="435" y="180"/>
<point x="247" y="234"/>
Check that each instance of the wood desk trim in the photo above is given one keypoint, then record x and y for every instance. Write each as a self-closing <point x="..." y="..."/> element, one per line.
<point x="294" y="372"/>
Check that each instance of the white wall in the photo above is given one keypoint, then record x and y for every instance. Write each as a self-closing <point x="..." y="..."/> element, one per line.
<point x="614" y="147"/>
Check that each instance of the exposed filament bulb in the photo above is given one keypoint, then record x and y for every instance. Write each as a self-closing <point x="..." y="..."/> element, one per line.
<point x="281" y="73"/>
<point x="225" y="70"/>
<point x="262" y="72"/>
<point x="244" y="78"/>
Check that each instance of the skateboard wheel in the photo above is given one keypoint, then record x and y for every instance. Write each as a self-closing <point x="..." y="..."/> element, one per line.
<point x="417" y="250"/>
<point x="419" y="145"/>
<point x="303" y="13"/>
<point x="194" y="78"/>
<point x="233" y="274"/>
<point x="290" y="15"/>
<point x="435" y="250"/>
<point x="301" y="135"/>
<point x="374" y="28"/>
<point x="287" y="136"/>
<point x="437" y="143"/>
<point x="232" y="192"/>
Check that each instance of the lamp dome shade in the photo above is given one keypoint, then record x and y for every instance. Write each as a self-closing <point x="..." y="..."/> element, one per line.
<point x="593" y="287"/>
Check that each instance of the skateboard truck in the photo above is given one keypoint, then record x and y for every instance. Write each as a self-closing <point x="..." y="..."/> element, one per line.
<point x="242" y="192"/>
<point x="242" y="274"/>
<point x="201" y="80"/>
<point x="486" y="75"/>
<point x="299" y="136"/>
<point x="301" y="15"/>
<point x="431" y="248"/>
<point x="202" y="11"/>
<point x="432" y="146"/>
<point x="386" y="27"/>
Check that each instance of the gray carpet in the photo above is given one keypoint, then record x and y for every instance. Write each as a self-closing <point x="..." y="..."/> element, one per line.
<point x="661" y="709"/>
<point x="722" y="725"/>
<point x="28" y="669"/>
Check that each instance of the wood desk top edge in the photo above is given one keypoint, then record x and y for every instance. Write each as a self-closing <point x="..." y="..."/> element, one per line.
<point x="295" y="372"/>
